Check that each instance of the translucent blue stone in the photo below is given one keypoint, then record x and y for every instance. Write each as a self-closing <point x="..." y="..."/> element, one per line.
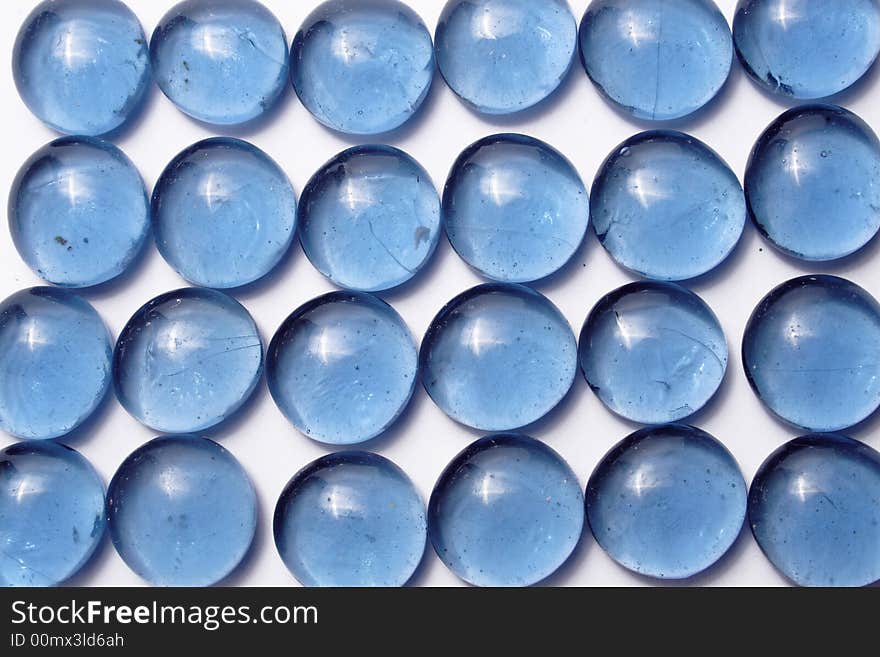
<point x="668" y="501"/>
<point x="54" y="362"/>
<point x="653" y="352"/>
<point x="813" y="183"/>
<point x="498" y="357"/>
<point x="656" y="59"/>
<point x="370" y="218"/>
<point x="224" y="213"/>
<point x="78" y="212"/>
<point x="342" y="368"/>
<point x="51" y="513"/>
<point x="667" y="207"/>
<point x="81" y="66"/>
<point x="187" y="360"/>
<point x="224" y="62"/>
<point x="508" y="511"/>
<point x="351" y="519"/>
<point x="181" y="511"/>
<point x="362" y="67"/>
<point x="515" y="209"/>
<point x="807" y="48"/>
<point x="503" y="56"/>
<point x="810" y="353"/>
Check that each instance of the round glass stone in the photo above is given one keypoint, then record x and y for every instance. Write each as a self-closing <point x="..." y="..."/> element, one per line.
<point x="224" y="213"/>
<point x="515" y="209"/>
<point x="504" y="56"/>
<point x="656" y="59"/>
<point x="508" y="511"/>
<point x="224" y="62"/>
<point x="54" y="362"/>
<point x="81" y="66"/>
<point x="807" y="48"/>
<point x="351" y="519"/>
<point x="813" y="183"/>
<point x="78" y="212"/>
<point x="810" y="353"/>
<point x="498" y="357"/>
<point x="51" y="513"/>
<point x="370" y="218"/>
<point x="667" y="207"/>
<point x="187" y="360"/>
<point x="342" y="368"/>
<point x="653" y="352"/>
<point x="363" y="67"/>
<point x="181" y="511"/>
<point x="668" y="501"/>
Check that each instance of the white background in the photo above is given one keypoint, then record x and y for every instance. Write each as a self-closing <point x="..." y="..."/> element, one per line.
<point x="576" y="121"/>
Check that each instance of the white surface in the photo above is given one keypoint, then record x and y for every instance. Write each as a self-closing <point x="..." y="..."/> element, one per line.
<point x="579" y="123"/>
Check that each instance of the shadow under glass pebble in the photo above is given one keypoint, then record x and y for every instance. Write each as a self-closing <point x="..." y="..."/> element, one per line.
<point x="813" y="508"/>
<point x="515" y="209"/>
<point x="187" y="360"/>
<point x="181" y="511"/>
<point x="507" y="511"/>
<point x="351" y="519"/>
<point x="224" y="213"/>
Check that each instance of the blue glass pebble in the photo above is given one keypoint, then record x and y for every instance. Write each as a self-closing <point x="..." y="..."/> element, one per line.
<point x="807" y="48"/>
<point x="504" y="56"/>
<point x="507" y="511"/>
<point x="370" y="218"/>
<point x="668" y="501"/>
<point x="362" y="67"/>
<point x="54" y="362"/>
<point x="498" y="357"/>
<point x="667" y="207"/>
<point x="351" y="519"/>
<point x="224" y="62"/>
<point x="78" y="212"/>
<point x="813" y="183"/>
<point x="51" y="513"/>
<point x="181" y="511"/>
<point x="810" y="353"/>
<point x="81" y="66"/>
<point x="342" y="368"/>
<point x="653" y="352"/>
<point x="515" y="209"/>
<point x="187" y="360"/>
<point x="224" y="213"/>
<point x="656" y="59"/>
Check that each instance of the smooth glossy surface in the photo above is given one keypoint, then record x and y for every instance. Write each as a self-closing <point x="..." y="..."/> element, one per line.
<point x="81" y="66"/>
<point x="504" y="56"/>
<point x="78" y="212"/>
<point x="370" y="218"/>
<point x="351" y="519"/>
<point x="498" y="357"/>
<point x="181" y="511"/>
<point x="813" y="183"/>
<point x="224" y="213"/>
<point x="810" y="353"/>
<point x="515" y="209"/>
<point x="187" y="360"/>
<point x="362" y="67"/>
<point x="656" y="59"/>
<point x="667" y="502"/>
<point x="54" y="362"/>
<point x="342" y="367"/>
<point x="667" y="207"/>
<point x="507" y="511"/>
<point x="51" y="513"/>
<point x="224" y="62"/>
<point x="653" y="352"/>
